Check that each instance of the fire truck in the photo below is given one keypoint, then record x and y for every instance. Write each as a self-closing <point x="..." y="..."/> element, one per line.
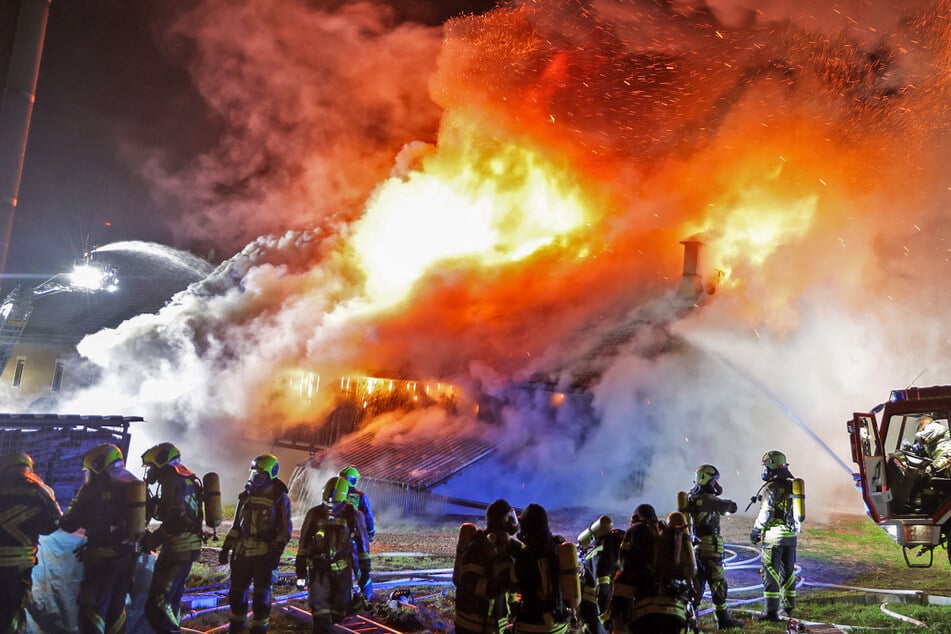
<point x="905" y="495"/>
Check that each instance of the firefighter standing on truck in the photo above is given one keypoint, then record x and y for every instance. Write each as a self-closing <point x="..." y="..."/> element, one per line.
<point x="639" y="602"/>
<point x="329" y="535"/>
<point x="28" y="509"/>
<point x="105" y="507"/>
<point x="705" y="506"/>
<point x="542" y="608"/>
<point x="482" y="572"/>
<point x="777" y="527"/>
<point x="261" y="530"/>
<point x="177" y="505"/>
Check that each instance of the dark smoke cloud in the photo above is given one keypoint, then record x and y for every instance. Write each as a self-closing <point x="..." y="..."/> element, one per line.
<point x="313" y="104"/>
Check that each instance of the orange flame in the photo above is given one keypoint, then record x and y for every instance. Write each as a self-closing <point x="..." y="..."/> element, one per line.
<point x="465" y="203"/>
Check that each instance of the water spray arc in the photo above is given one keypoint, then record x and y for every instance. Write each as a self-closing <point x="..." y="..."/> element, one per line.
<point x="782" y="407"/>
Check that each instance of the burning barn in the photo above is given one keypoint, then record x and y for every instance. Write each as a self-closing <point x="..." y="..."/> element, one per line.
<point x="414" y="473"/>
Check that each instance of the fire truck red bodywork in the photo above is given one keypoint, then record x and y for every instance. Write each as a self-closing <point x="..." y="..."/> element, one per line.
<point x="912" y="506"/>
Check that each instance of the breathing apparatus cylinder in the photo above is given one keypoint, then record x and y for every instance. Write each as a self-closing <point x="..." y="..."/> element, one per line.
<point x="598" y="529"/>
<point x="683" y="501"/>
<point x="799" y="498"/>
<point x="466" y="531"/>
<point x="211" y="484"/>
<point x="136" y="494"/>
<point x="569" y="575"/>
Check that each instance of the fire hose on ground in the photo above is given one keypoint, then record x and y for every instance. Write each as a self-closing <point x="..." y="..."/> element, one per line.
<point x="753" y="563"/>
<point x="443" y="577"/>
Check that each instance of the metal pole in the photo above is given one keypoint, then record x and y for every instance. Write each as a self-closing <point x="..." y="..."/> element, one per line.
<point x="16" y="108"/>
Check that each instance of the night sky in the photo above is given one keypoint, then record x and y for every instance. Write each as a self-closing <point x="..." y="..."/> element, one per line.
<point x="113" y="92"/>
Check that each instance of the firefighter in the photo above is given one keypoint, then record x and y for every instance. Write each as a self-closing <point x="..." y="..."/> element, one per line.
<point x="542" y="608"/>
<point x="361" y="502"/>
<point x="598" y="566"/>
<point x="330" y="533"/>
<point x="777" y="527"/>
<point x="705" y="507"/>
<point x="639" y="602"/>
<point x="934" y="439"/>
<point x="28" y="509"/>
<point x="929" y="455"/>
<point x="109" y="552"/>
<point x="260" y="532"/>
<point x="177" y="505"/>
<point x="358" y="498"/>
<point x="482" y="573"/>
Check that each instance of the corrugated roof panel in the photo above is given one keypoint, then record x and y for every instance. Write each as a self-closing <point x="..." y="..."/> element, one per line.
<point x="420" y="465"/>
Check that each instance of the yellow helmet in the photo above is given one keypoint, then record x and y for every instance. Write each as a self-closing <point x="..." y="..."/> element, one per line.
<point x="350" y="474"/>
<point x="773" y="460"/>
<point x="266" y="463"/>
<point x="336" y="490"/>
<point x="101" y="457"/>
<point x="705" y="474"/>
<point x="160" y="455"/>
<point x="773" y="463"/>
<point x="18" y="459"/>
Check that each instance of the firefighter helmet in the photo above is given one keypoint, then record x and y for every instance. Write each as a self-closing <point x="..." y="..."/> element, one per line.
<point x="18" y="459"/>
<point x="101" y="457"/>
<point x="500" y="517"/>
<point x="160" y="455"/>
<point x="336" y="490"/>
<point x="773" y="460"/>
<point x="533" y="522"/>
<point x="773" y="463"/>
<point x="644" y="512"/>
<point x="676" y="520"/>
<point x="266" y="463"/>
<point x="350" y="474"/>
<point x="705" y="474"/>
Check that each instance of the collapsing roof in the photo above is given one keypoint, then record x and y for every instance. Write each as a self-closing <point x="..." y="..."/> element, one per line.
<point x="393" y="472"/>
<point x="416" y="465"/>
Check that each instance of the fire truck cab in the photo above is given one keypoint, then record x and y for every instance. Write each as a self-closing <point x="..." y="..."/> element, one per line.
<point x="907" y="497"/>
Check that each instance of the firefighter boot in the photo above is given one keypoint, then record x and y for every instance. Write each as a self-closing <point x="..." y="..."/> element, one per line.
<point x="771" y="611"/>
<point x="726" y="622"/>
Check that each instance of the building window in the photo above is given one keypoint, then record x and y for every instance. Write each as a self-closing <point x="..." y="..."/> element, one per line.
<point x="58" y="375"/>
<point x="18" y="373"/>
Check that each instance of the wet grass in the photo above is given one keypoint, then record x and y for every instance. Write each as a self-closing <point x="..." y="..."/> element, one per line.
<point x="853" y="551"/>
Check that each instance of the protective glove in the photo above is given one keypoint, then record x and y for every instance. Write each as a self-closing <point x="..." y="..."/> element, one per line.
<point x="755" y="536"/>
<point x="224" y="556"/>
<point x="364" y="577"/>
<point x="300" y="569"/>
<point x="732" y="508"/>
